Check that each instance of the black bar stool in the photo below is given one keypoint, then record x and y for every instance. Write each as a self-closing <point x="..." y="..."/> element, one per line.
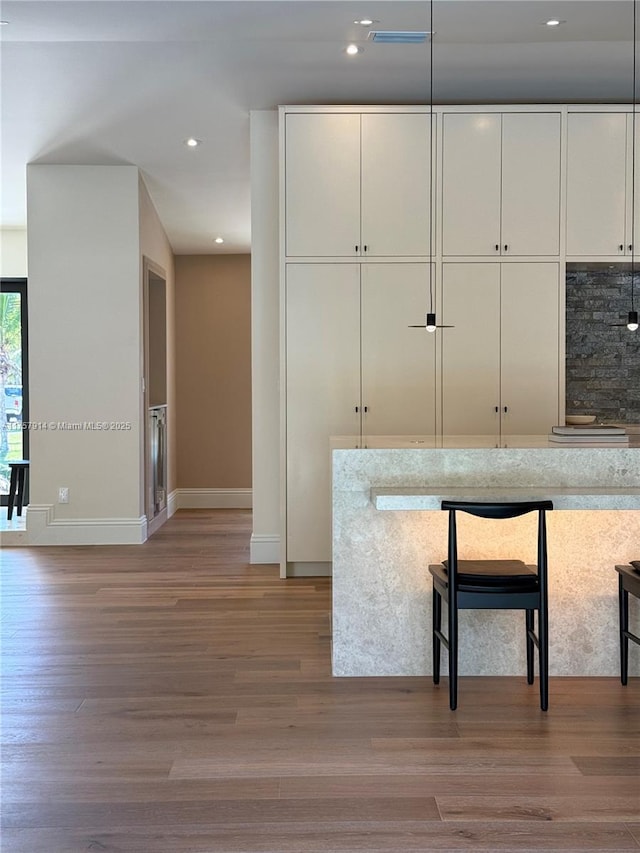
<point x="492" y="585"/>
<point x="628" y="582"/>
<point x="19" y="468"/>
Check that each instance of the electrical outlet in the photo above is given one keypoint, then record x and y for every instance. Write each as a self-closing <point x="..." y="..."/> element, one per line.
<point x="63" y="495"/>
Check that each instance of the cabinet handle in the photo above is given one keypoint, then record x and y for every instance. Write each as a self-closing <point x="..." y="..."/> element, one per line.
<point x="357" y="408"/>
<point x="497" y="247"/>
<point x="631" y="247"/>
<point x="506" y="409"/>
<point x="497" y="409"/>
<point x="506" y="247"/>
<point x="366" y="409"/>
<point x="365" y="248"/>
<point x="356" y="248"/>
<point x="621" y="247"/>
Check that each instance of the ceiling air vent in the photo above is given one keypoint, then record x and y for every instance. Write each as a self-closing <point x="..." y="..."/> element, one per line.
<point x="398" y="36"/>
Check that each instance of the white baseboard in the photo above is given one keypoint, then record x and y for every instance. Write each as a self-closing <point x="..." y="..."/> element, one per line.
<point x="43" y="528"/>
<point x="156" y="522"/>
<point x="214" y="498"/>
<point x="264" y="549"/>
<point x="172" y="502"/>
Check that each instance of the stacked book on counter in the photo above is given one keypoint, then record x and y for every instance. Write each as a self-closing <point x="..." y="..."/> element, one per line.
<point x="590" y="434"/>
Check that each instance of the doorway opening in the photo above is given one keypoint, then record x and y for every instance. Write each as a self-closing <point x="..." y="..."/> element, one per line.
<point x="155" y="394"/>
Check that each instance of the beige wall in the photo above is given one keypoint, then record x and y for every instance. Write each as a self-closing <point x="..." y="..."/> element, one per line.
<point x="213" y="371"/>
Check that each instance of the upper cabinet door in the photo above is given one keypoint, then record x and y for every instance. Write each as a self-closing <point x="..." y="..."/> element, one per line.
<point x="530" y="184"/>
<point x="471" y="184"/>
<point x="322" y="184"/>
<point x="633" y="222"/>
<point x="395" y="184"/>
<point x="596" y="184"/>
<point x="398" y="363"/>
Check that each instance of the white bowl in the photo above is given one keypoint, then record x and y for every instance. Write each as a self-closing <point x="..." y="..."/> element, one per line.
<point x="576" y="420"/>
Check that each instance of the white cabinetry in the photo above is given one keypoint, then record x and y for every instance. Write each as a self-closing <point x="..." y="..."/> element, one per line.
<point x="500" y="365"/>
<point x="501" y="184"/>
<point x="599" y="184"/>
<point x="353" y="367"/>
<point x="356" y="234"/>
<point x="356" y="185"/>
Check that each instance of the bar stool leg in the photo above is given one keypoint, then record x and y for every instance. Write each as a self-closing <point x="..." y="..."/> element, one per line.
<point x="437" y="626"/>
<point x="543" y="643"/>
<point x="623" y="602"/>
<point x="530" y="644"/>
<point x="21" y="476"/>
<point x="453" y="652"/>
<point x="12" y="492"/>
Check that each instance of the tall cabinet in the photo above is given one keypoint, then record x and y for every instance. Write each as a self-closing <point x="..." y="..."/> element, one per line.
<point x="355" y="239"/>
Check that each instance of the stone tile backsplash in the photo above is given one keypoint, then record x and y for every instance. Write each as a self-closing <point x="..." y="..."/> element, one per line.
<point x="602" y="362"/>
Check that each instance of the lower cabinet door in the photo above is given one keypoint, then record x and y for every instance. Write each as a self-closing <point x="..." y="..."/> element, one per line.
<point x="398" y="363"/>
<point x="530" y="348"/>
<point x="323" y="392"/>
<point x="471" y="350"/>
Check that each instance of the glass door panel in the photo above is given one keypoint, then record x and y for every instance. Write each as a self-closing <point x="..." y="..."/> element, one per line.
<point x="13" y="378"/>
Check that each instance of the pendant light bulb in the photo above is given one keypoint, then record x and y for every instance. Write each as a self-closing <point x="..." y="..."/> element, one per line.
<point x="430" y="325"/>
<point x="632" y="323"/>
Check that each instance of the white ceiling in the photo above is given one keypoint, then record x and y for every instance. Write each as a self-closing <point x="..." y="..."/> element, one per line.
<point x="126" y="81"/>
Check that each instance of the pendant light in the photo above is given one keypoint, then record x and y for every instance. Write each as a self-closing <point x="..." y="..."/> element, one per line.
<point x="632" y="316"/>
<point x="430" y="323"/>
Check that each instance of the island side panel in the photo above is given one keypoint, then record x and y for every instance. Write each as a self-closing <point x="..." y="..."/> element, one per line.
<point x="382" y="589"/>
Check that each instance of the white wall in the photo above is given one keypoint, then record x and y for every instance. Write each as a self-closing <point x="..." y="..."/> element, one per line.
<point x="84" y="352"/>
<point x="13" y="253"/>
<point x="265" y="540"/>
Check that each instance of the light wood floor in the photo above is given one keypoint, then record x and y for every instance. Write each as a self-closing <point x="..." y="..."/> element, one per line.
<point x="169" y="697"/>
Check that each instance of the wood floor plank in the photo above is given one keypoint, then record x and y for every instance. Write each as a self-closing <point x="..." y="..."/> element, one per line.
<point x="592" y="809"/>
<point x="322" y="837"/>
<point x="611" y="765"/>
<point x="172" y="698"/>
<point x="185" y="814"/>
<point x="478" y="783"/>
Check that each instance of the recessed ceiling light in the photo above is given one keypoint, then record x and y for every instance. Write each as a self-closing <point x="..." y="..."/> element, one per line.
<point x="219" y="240"/>
<point x="192" y="142"/>
<point x="353" y="50"/>
<point x="365" y="22"/>
<point x="554" y="22"/>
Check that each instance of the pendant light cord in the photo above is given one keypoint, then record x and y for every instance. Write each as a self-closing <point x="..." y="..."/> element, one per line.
<point x="431" y="155"/>
<point x="633" y="158"/>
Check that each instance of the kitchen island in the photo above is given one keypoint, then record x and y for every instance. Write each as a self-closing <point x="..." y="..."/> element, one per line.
<point x="387" y="528"/>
